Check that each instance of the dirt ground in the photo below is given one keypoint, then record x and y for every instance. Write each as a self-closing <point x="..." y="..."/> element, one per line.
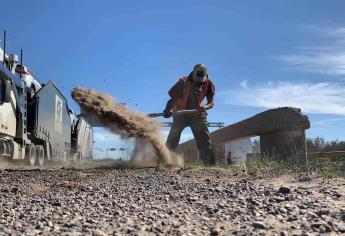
<point x="101" y="201"/>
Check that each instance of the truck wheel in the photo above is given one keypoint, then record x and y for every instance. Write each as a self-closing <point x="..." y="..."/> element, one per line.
<point x="30" y="156"/>
<point x="40" y="155"/>
<point x="79" y="157"/>
<point x="3" y="149"/>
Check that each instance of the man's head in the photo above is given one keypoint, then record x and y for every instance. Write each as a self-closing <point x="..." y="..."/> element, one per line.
<point x="199" y="73"/>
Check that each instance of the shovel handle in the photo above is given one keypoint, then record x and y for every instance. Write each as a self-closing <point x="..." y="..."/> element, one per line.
<point x="153" y="115"/>
<point x="175" y="113"/>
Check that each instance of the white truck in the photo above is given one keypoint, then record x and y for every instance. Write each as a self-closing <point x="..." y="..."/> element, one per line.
<point x="36" y="125"/>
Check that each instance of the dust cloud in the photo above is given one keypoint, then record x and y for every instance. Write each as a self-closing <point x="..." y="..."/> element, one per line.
<point x="6" y="164"/>
<point x="131" y="124"/>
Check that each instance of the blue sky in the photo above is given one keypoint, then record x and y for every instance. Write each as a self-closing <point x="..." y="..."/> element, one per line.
<point x="260" y="54"/>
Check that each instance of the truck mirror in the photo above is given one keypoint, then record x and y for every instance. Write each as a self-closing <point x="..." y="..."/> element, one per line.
<point x="8" y="89"/>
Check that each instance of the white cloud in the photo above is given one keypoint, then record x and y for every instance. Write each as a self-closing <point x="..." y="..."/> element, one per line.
<point x="338" y="33"/>
<point x="324" y="59"/>
<point x="244" y="84"/>
<point x="323" y="98"/>
<point x="326" y="123"/>
<point x="332" y="63"/>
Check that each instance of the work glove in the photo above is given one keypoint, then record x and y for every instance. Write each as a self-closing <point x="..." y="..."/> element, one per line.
<point x="203" y="112"/>
<point x="202" y="108"/>
<point x="167" y="114"/>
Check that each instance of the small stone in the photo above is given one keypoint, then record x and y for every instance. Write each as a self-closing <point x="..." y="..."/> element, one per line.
<point x="259" y="225"/>
<point x="327" y="228"/>
<point x="322" y="229"/>
<point x="214" y="231"/>
<point x="5" y="190"/>
<point x="323" y="212"/>
<point x="98" y="232"/>
<point x="304" y="178"/>
<point x="50" y="224"/>
<point x="15" y="190"/>
<point x="39" y="225"/>
<point x="284" y="190"/>
<point x="282" y="210"/>
<point x="170" y="211"/>
<point x="56" y="204"/>
<point x="341" y="228"/>
<point x="175" y="224"/>
<point x="284" y="233"/>
<point x="316" y="225"/>
<point x="17" y="225"/>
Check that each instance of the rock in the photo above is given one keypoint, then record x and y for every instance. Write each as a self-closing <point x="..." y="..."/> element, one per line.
<point x="284" y="233"/>
<point x="39" y="225"/>
<point x="284" y="190"/>
<point x="17" y="225"/>
<point x="98" y="232"/>
<point x="259" y="225"/>
<point x="58" y="204"/>
<point x="175" y="224"/>
<point x="170" y="211"/>
<point x="322" y="229"/>
<point x="340" y="227"/>
<point x="316" y="225"/>
<point x="15" y="190"/>
<point x="323" y="212"/>
<point x="304" y="178"/>
<point x="50" y="223"/>
<point x="5" y="190"/>
<point x="214" y="231"/>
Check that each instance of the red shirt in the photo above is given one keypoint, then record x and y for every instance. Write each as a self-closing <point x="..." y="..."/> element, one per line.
<point x="189" y="95"/>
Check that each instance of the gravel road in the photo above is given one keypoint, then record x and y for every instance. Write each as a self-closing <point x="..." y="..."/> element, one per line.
<point x="154" y="202"/>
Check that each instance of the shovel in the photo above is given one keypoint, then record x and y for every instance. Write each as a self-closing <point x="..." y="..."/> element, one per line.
<point x="175" y="113"/>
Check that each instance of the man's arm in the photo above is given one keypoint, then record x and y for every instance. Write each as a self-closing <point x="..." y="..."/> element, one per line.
<point x="174" y="92"/>
<point x="169" y="106"/>
<point x="209" y="104"/>
<point x="210" y="97"/>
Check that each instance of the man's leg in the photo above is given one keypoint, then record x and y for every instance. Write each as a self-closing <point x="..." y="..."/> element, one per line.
<point x="174" y="136"/>
<point x="202" y="139"/>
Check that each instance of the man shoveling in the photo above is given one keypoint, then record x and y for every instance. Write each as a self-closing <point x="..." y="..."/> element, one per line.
<point x="188" y="94"/>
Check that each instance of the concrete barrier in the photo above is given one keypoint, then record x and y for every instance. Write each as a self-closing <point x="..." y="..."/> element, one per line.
<point x="281" y="131"/>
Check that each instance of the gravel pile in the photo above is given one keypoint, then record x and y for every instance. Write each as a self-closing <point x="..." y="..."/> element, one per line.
<point x="154" y="202"/>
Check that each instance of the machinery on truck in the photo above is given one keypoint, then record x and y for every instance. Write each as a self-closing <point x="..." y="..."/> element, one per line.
<point x="36" y="124"/>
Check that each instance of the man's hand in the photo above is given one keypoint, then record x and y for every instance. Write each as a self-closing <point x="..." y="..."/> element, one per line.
<point x="202" y="110"/>
<point x="168" y="108"/>
<point x="207" y="106"/>
<point x="167" y="114"/>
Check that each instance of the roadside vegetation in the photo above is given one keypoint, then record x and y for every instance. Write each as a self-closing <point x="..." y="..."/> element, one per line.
<point x="321" y="167"/>
<point x="324" y="158"/>
<point x="266" y="165"/>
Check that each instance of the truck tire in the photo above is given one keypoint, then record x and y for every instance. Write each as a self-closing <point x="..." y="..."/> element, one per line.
<point x="64" y="157"/>
<point x="77" y="157"/>
<point x="40" y="158"/>
<point x="30" y="155"/>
